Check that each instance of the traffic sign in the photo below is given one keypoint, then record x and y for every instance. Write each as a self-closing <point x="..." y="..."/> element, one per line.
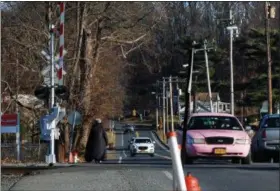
<point x="56" y="60"/>
<point x="74" y="118"/>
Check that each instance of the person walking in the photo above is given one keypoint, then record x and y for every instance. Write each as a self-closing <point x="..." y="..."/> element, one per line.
<point x="97" y="143"/>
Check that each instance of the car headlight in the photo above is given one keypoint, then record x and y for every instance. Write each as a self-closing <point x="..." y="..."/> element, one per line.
<point x="242" y="141"/>
<point x="191" y="140"/>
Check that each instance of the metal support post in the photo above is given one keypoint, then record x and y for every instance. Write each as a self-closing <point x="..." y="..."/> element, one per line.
<point x="52" y="158"/>
<point x="178" y="97"/>
<point x="190" y="82"/>
<point x="269" y="62"/>
<point x="157" y="105"/>
<point x="208" y="75"/>
<point x="167" y="110"/>
<point x="163" y="106"/>
<point x="231" y="69"/>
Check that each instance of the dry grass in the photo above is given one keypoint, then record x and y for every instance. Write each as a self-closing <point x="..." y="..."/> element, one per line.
<point x="111" y="137"/>
<point x="161" y="136"/>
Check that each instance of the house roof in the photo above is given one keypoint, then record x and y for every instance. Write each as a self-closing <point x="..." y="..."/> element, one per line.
<point x="204" y="96"/>
<point x="211" y="114"/>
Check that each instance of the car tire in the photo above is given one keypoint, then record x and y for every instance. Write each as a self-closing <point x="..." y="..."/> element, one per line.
<point x="247" y="159"/>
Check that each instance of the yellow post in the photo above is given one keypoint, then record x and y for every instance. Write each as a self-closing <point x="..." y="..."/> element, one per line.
<point x="134" y="112"/>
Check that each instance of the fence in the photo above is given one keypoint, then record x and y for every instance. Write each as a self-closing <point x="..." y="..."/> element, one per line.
<point x="34" y="153"/>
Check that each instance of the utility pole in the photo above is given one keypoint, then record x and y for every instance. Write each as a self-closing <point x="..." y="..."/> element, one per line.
<point x="268" y="52"/>
<point x="187" y="105"/>
<point x="171" y="103"/>
<point x="17" y="110"/>
<point x="208" y="75"/>
<point x="178" y="98"/>
<point x="231" y="29"/>
<point x="231" y="69"/>
<point x="157" y="104"/>
<point x="17" y="65"/>
<point x="167" y="109"/>
<point x="163" y="106"/>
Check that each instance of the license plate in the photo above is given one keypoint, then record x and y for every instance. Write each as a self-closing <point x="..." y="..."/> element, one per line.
<point x="143" y="151"/>
<point x="220" y="151"/>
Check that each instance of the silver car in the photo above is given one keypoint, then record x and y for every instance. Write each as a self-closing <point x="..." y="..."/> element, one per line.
<point x="128" y="128"/>
<point x="266" y="142"/>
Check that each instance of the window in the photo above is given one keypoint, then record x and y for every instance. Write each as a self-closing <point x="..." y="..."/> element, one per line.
<point x="272" y="123"/>
<point x="214" y="122"/>
<point x="143" y="141"/>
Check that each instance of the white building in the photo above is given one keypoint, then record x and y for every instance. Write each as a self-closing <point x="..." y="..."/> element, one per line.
<point x="203" y="103"/>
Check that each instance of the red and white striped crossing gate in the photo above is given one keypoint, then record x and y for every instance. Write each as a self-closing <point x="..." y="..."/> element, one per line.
<point x="61" y="42"/>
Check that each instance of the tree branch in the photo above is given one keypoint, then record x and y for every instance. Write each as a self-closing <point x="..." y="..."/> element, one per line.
<point x="112" y="39"/>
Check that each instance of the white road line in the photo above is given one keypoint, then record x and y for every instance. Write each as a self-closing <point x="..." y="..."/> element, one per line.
<point x="168" y="175"/>
<point x="124" y="154"/>
<point x="122" y="141"/>
<point x="158" y="143"/>
<point x="162" y="156"/>
<point x="120" y="159"/>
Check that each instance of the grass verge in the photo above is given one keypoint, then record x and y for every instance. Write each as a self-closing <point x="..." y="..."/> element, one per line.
<point x="161" y="136"/>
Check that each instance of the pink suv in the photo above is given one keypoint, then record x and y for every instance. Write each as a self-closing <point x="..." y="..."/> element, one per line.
<point x="217" y="135"/>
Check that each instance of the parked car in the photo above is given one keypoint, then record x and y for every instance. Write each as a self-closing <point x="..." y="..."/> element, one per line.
<point x="128" y="128"/>
<point x="217" y="135"/>
<point x="142" y="145"/>
<point x="266" y="142"/>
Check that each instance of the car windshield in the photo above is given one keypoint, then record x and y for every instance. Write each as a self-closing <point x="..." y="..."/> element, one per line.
<point x="272" y="123"/>
<point x="214" y="122"/>
<point x="142" y="141"/>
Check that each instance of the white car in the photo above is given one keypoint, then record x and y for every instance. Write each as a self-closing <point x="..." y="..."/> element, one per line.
<point x="142" y="145"/>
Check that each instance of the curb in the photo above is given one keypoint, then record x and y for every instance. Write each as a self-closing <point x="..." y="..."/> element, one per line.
<point x="29" y="169"/>
<point x="158" y="138"/>
<point x="42" y="165"/>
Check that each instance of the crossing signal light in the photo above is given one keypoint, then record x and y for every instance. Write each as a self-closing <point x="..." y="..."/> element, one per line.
<point x="62" y="92"/>
<point x="42" y="92"/>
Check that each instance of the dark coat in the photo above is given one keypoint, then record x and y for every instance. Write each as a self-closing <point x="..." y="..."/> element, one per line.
<point x="96" y="144"/>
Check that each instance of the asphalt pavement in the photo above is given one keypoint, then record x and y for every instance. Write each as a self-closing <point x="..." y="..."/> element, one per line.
<point x="123" y="172"/>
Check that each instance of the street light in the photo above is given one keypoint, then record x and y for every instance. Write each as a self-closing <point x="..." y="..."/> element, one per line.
<point x="231" y="29"/>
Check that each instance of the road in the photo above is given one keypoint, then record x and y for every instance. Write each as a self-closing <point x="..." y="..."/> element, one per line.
<point x="152" y="173"/>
